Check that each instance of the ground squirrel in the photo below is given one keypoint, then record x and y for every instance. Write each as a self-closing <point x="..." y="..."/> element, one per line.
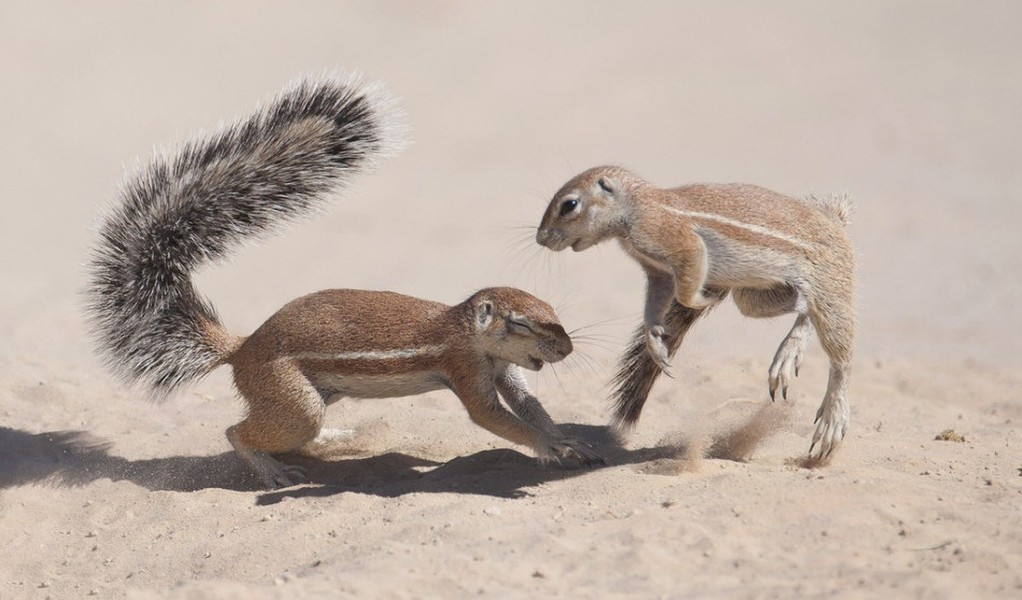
<point x="697" y="243"/>
<point x="154" y="329"/>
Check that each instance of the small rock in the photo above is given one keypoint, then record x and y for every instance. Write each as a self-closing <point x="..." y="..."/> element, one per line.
<point x="949" y="435"/>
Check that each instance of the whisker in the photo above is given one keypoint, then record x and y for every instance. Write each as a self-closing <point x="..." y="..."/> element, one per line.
<point x="604" y="341"/>
<point x="535" y="264"/>
<point x="599" y="323"/>
<point x="523" y="256"/>
<point x="520" y="239"/>
<point x="608" y="348"/>
<point x="584" y="361"/>
<point x="605" y="352"/>
<point x="567" y="302"/>
<point x="545" y="269"/>
<point x="595" y="337"/>
<point x="521" y="249"/>
<point x="557" y="378"/>
<point x="509" y="223"/>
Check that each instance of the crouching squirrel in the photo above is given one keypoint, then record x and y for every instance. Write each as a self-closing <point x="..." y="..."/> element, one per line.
<point x="154" y="329"/>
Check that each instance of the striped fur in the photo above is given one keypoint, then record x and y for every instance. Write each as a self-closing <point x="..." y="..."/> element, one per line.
<point x="373" y="355"/>
<point x="698" y="243"/>
<point x="750" y="227"/>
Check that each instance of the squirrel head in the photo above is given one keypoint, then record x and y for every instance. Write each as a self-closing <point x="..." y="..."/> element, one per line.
<point x="517" y="327"/>
<point x="590" y="208"/>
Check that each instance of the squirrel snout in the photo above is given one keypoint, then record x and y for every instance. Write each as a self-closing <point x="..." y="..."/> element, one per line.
<point x="550" y="237"/>
<point x="563" y="346"/>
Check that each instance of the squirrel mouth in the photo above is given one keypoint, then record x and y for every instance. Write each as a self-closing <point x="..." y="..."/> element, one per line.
<point x="535" y="364"/>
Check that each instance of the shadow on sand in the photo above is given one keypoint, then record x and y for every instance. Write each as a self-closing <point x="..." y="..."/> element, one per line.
<point x="75" y="458"/>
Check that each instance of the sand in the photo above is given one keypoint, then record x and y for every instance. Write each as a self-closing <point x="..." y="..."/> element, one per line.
<point x="910" y="107"/>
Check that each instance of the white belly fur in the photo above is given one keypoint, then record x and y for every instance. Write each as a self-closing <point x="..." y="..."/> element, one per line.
<point x="377" y="386"/>
<point x="734" y="264"/>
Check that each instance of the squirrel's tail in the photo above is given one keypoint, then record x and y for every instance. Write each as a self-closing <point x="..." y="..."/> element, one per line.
<point x="195" y="205"/>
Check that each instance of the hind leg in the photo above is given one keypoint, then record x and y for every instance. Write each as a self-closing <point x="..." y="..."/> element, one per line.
<point x="832" y="318"/>
<point x="771" y="303"/>
<point x="285" y="412"/>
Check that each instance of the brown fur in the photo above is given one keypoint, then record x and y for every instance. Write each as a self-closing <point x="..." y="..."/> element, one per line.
<point x="774" y="254"/>
<point x="247" y="179"/>
<point x="337" y="343"/>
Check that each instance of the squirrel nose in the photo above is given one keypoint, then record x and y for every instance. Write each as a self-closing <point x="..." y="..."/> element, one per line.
<point x="565" y="347"/>
<point x="541" y="236"/>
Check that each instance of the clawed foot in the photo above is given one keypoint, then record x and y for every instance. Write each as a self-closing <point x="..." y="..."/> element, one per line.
<point x="657" y="348"/>
<point x="291" y="475"/>
<point x="831" y="425"/>
<point x="786" y="364"/>
<point x="276" y="474"/>
<point x="576" y="450"/>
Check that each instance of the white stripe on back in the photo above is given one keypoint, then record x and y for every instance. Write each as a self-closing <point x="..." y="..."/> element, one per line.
<point x="757" y="229"/>
<point x="373" y="354"/>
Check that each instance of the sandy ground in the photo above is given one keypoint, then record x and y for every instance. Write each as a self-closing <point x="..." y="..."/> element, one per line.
<point x="911" y="107"/>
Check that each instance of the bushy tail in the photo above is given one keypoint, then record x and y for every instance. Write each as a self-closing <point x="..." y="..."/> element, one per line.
<point x="194" y="206"/>
<point x="637" y="372"/>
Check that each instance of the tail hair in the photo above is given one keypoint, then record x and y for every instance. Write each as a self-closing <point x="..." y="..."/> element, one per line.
<point x="245" y="180"/>
<point x="637" y="371"/>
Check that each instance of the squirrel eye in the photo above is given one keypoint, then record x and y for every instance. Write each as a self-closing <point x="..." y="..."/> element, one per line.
<point x="605" y="185"/>
<point x="568" y="205"/>
<point x="519" y="326"/>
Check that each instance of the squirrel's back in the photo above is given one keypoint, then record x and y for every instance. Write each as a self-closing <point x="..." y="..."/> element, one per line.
<point x="195" y="205"/>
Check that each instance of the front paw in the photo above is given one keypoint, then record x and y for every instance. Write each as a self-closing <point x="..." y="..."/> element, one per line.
<point x="656" y="346"/>
<point x="785" y="366"/>
<point x="576" y="450"/>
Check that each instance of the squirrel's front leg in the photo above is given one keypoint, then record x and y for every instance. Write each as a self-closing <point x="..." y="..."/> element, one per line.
<point x="479" y="395"/>
<point x="659" y="294"/>
<point x="511" y="383"/>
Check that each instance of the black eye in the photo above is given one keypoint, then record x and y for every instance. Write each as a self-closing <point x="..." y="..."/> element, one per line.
<point x="568" y="205"/>
<point x="605" y="185"/>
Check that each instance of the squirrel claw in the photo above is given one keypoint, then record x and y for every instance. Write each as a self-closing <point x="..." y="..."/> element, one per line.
<point x="286" y="476"/>
<point x="657" y="348"/>
<point x="580" y="451"/>
<point x="831" y="426"/>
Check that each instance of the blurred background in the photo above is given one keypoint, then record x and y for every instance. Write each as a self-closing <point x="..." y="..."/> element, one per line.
<point x="910" y="107"/>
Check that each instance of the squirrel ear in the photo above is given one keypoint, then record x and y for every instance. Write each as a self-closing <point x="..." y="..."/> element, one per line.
<point x="484" y="313"/>
<point x="606" y="184"/>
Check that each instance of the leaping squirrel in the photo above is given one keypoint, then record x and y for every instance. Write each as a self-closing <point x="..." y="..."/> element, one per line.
<point x="774" y="254"/>
<point x="281" y="163"/>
